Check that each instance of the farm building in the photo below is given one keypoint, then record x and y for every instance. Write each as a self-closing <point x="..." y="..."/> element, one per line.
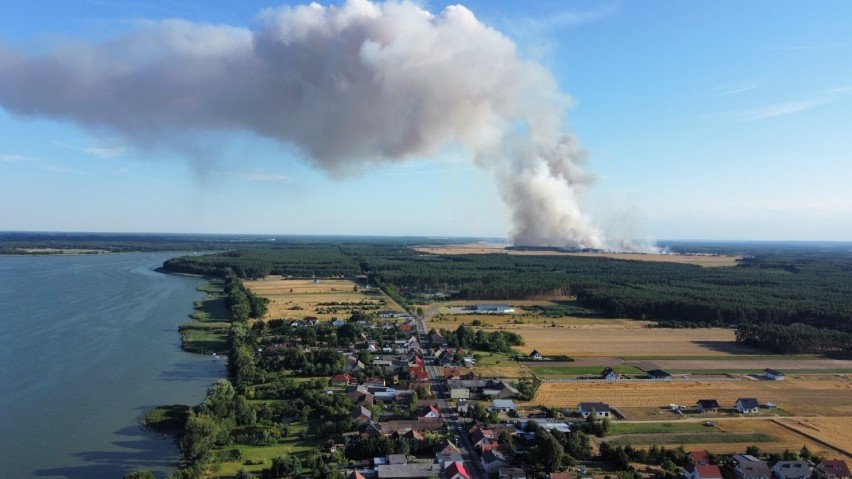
<point x="493" y="308"/>
<point x="535" y="355"/>
<point x="750" y="467"/>
<point x="834" y="469"/>
<point x="747" y="406"/>
<point x="707" y="405"/>
<point x="792" y="470"/>
<point x="773" y="374"/>
<point x="609" y="374"/>
<point x="599" y="409"/>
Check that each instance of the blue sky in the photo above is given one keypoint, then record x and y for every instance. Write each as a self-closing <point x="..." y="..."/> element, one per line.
<point x="702" y="120"/>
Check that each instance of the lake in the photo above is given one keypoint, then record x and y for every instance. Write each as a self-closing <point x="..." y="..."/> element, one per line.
<point x="88" y="344"/>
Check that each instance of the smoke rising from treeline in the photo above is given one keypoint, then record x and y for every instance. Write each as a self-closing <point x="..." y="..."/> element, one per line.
<point x="350" y="86"/>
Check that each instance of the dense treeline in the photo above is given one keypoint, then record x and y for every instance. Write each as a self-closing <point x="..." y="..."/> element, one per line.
<point x="242" y="303"/>
<point x="794" y="338"/>
<point x="493" y="341"/>
<point x="302" y="261"/>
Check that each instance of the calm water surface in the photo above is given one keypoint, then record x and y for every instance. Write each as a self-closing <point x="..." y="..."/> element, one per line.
<point x="87" y="344"/>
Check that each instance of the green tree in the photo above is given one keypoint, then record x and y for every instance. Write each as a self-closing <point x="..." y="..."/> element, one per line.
<point x="546" y="451"/>
<point x="140" y="474"/>
<point x="244" y="414"/>
<point x="219" y="400"/>
<point x="200" y="436"/>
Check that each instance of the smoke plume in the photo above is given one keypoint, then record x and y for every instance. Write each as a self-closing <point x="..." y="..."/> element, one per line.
<point x="349" y="86"/>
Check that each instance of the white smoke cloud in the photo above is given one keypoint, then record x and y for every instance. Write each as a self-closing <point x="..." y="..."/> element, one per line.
<point x="349" y="86"/>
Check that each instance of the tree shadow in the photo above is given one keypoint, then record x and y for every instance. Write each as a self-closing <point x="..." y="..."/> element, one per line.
<point x="197" y="370"/>
<point x="142" y="450"/>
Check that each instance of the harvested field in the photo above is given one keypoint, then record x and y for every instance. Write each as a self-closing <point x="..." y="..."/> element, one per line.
<point x="297" y="298"/>
<point x="735" y="435"/>
<point x="627" y="338"/>
<point x="832" y="432"/>
<point x="798" y="396"/>
<point x="478" y="248"/>
<point x="786" y="438"/>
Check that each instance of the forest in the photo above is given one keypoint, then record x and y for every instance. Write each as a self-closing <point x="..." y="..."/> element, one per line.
<point x="805" y="286"/>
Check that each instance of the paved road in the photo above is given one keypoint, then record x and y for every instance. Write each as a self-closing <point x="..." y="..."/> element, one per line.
<point x="451" y="417"/>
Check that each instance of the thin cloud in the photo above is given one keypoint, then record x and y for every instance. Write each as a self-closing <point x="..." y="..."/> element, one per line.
<point x="792" y="107"/>
<point x="106" y="152"/>
<point x="15" y="158"/>
<point x="740" y="87"/>
<point x="559" y="21"/>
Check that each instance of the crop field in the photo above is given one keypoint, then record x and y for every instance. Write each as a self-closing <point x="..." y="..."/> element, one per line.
<point x="829" y="431"/>
<point x="798" y="396"/>
<point x="627" y="339"/>
<point x="700" y="260"/>
<point x="297" y="298"/>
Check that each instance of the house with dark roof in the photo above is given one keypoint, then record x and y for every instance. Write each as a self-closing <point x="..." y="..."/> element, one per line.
<point x="502" y="405"/>
<point x="750" y="467"/>
<point x="747" y="406"/>
<point x="493" y="460"/>
<point x="792" y="470"/>
<point x="707" y="405"/>
<point x="360" y="414"/>
<point x="834" y="469"/>
<point x="535" y="355"/>
<point x="408" y="471"/>
<point x="446" y="446"/>
<point x="773" y="374"/>
<point x="598" y="409"/>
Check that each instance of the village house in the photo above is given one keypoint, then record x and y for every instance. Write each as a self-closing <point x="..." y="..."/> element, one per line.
<point x="834" y="469"/>
<point x="773" y="374"/>
<point x="702" y="471"/>
<point x="609" y="374"/>
<point x="502" y="405"/>
<point x="493" y="460"/>
<point x="750" y="467"/>
<point x="792" y="470"/>
<point x="699" y="457"/>
<point x="598" y="409"/>
<point x="460" y="393"/>
<point x="340" y="380"/>
<point x="408" y="471"/>
<point x="535" y="355"/>
<point x="707" y="405"/>
<point x="747" y="406"/>
<point x="445" y="446"/>
<point x="361" y="414"/>
<point x="456" y="470"/>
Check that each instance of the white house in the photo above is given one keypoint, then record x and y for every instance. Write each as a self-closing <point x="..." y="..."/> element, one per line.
<point x="773" y="374"/>
<point x="502" y="405"/>
<point x="750" y="467"/>
<point x="599" y="409"/>
<point x="747" y="406"/>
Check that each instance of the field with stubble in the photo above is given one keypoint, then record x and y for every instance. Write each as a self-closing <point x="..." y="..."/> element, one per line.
<point x="297" y="298"/>
<point x="825" y="395"/>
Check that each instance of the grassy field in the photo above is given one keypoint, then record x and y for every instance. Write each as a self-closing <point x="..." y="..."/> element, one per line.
<point x="495" y="365"/>
<point x="208" y="331"/>
<point x="292" y="445"/>
<point x="691" y="438"/>
<point x="297" y="298"/>
<point x="568" y="371"/>
<point x="619" y="428"/>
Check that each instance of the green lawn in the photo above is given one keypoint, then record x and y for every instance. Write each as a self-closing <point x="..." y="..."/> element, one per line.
<point x="292" y="445"/>
<point x="618" y="428"/>
<point x="207" y="332"/>
<point x="563" y="371"/>
<point x="690" y="438"/>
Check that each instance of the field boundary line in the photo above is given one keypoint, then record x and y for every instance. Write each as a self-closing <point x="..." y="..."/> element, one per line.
<point x="662" y="380"/>
<point x="811" y="437"/>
